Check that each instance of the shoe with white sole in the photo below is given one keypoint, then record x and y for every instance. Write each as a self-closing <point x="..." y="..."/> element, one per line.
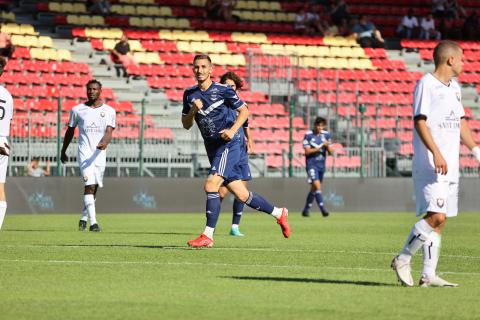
<point x="403" y="271"/>
<point x="435" y="281"/>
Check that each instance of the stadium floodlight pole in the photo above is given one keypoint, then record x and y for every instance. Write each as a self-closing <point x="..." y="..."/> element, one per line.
<point x="290" y="136"/>
<point x="142" y="139"/>
<point x="362" y="110"/>
<point x="59" y="137"/>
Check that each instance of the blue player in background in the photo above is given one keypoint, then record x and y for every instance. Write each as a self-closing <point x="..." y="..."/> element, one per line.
<point x="316" y="144"/>
<point x="220" y="114"/>
<point x="233" y="80"/>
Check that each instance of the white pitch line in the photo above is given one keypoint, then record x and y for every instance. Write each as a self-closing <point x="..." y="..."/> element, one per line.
<point x="137" y="246"/>
<point x="214" y="264"/>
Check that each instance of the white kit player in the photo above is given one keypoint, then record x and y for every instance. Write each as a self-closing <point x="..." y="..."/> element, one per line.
<point x="96" y="122"/>
<point x="439" y="126"/>
<point x="6" y="115"/>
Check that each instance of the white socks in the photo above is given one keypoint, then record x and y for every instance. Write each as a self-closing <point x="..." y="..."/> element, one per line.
<point x="420" y="233"/>
<point x="84" y="216"/>
<point x="431" y="254"/>
<point x="3" y="209"/>
<point x="209" y="232"/>
<point x="277" y="212"/>
<point x="89" y="203"/>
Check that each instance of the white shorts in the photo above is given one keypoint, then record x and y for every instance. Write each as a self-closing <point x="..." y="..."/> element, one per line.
<point x="92" y="175"/>
<point x="441" y="197"/>
<point x="3" y="168"/>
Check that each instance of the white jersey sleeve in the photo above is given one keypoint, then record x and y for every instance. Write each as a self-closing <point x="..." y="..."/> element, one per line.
<point x="6" y="111"/>
<point x="112" y="118"/>
<point x="73" y="121"/>
<point x="422" y="99"/>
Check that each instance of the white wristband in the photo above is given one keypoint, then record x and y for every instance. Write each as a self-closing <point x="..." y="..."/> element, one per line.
<point x="476" y="152"/>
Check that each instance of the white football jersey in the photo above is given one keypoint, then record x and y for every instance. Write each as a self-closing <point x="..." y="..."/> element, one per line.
<point x="6" y="111"/>
<point x="92" y="123"/>
<point x="442" y="106"/>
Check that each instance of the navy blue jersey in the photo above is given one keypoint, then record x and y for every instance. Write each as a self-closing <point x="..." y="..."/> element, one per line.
<point x="218" y="113"/>
<point x="312" y="140"/>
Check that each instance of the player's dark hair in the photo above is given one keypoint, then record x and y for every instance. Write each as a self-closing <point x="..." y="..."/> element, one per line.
<point x="94" y="81"/>
<point x="3" y="62"/>
<point x="234" y="77"/>
<point x="202" y="57"/>
<point x="320" y="120"/>
<point x="442" y="49"/>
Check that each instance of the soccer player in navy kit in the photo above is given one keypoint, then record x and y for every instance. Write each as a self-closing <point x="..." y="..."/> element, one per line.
<point x="220" y="114"/>
<point x="316" y="144"/>
<point x="234" y="81"/>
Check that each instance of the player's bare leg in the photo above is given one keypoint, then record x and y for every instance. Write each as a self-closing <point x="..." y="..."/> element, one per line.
<point x="257" y="202"/>
<point x="3" y="203"/>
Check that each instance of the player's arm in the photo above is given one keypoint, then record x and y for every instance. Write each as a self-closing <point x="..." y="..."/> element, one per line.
<point x="188" y="118"/>
<point x="47" y="169"/>
<point x="309" y="150"/>
<point x="326" y="145"/>
<point x="242" y="116"/>
<point x="467" y="138"/>
<point x="250" y="143"/>
<point x="420" y="122"/>
<point x="66" y="142"/>
<point x="107" y="137"/>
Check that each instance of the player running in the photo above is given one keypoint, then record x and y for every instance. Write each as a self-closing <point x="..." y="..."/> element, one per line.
<point x="440" y="124"/>
<point x="6" y="115"/>
<point x="316" y="144"/>
<point x="96" y="122"/>
<point x="234" y="81"/>
<point x="219" y="114"/>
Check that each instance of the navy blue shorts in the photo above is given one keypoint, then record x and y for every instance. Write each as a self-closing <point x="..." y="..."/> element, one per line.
<point x="315" y="173"/>
<point x="224" y="162"/>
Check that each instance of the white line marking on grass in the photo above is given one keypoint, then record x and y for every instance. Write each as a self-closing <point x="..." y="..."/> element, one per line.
<point x="139" y="246"/>
<point x="215" y="264"/>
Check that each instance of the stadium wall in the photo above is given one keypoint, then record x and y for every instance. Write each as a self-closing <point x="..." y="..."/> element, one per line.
<point x="124" y="195"/>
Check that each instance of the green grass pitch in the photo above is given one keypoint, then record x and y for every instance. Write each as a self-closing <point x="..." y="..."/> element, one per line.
<point x="139" y="267"/>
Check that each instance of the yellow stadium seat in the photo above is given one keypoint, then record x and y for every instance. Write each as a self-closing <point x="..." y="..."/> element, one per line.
<point x="116" y="8"/>
<point x="148" y="22"/>
<point x="340" y="51"/>
<point x="154" y="58"/>
<point x="246" y="15"/>
<point x="160" y="22"/>
<point x="135" y="21"/>
<point x="73" y="19"/>
<point x="249" y="37"/>
<point x="79" y="8"/>
<point x="85" y="20"/>
<point x="263" y="5"/>
<point x="112" y="33"/>
<point x="275" y="6"/>
<point x="129" y="10"/>
<point x="18" y="40"/>
<point x="165" y="34"/>
<point x="165" y="11"/>
<point x="185" y="46"/>
<point x="109" y="44"/>
<point x="55" y="7"/>
<point x="7" y="16"/>
<point x="98" y="21"/>
<point x="241" y="4"/>
<point x="220" y="47"/>
<point x="44" y="41"/>
<point x="183" y="23"/>
<point x="198" y="3"/>
<point x="31" y="41"/>
<point x="358" y="52"/>
<point x="135" y="45"/>
<point x="64" y="54"/>
<point x="67" y="7"/>
<point x="259" y="16"/>
<point x="252" y="5"/>
<point x="281" y="16"/>
<point x="27" y="29"/>
<point x="342" y="63"/>
<point x="144" y="11"/>
<point x="11" y="28"/>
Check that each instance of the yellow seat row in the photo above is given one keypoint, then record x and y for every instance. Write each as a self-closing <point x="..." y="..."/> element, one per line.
<point x="111" y="33"/>
<point x="147" y="58"/>
<point x="13" y="28"/>
<point x="145" y="22"/>
<point x="228" y="59"/>
<point x="313" y="51"/>
<point x="51" y="54"/>
<point x="32" y="41"/>
<point x="198" y="3"/>
<point x="249" y="37"/>
<point x="265" y="16"/>
<point x="259" y="5"/>
<point x="7" y="16"/>
<point x="184" y="35"/>
<point x="85" y="20"/>
<point x="335" y="63"/>
<point x="138" y="1"/>
<point x="135" y="45"/>
<point x="140" y="10"/>
<point x="67" y="7"/>
<point x="206" y="47"/>
<point x="340" y="42"/>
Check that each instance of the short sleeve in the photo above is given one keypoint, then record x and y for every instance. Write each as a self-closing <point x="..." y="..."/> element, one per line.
<point x="232" y="100"/>
<point x="186" y="104"/>
<point x="421" y="99"/>
<point x="73" y="121"/>
<point x="306" y="143"/>
<point x="111" y="121"/>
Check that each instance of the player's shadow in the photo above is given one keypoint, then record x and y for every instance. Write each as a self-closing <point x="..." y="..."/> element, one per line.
<point x="311" y="280"/>
<point x="166" y="247"/>
<point x="108" y="232"/>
